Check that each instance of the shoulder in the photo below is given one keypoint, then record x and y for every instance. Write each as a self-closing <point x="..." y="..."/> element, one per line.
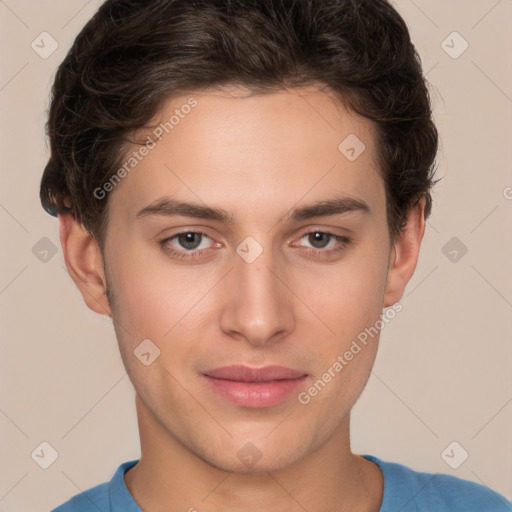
<point x="415" y="491"/>
<point x="103" y="496"/>
<point x="95" y="498"/>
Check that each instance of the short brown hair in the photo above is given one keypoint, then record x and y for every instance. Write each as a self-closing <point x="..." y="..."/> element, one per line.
<point x="135" y="54"/>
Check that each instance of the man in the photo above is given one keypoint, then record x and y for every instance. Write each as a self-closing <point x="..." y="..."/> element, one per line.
<point x="243" y="187"/>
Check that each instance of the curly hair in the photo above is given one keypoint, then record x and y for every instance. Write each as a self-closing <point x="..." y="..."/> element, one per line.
<point x="133" y="55"/>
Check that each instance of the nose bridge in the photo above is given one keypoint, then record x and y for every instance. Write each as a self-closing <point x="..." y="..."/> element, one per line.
<point x="258" y="307"/>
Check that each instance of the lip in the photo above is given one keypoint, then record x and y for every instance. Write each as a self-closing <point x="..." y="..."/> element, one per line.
<point x="254" y="387"/>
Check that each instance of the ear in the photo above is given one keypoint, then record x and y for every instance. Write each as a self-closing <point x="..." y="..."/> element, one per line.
<point x="84" y="262"/>
<point x="404" y="254"/>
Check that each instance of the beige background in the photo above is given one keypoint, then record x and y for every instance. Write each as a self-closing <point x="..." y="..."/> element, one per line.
<point x="443" y="372"/>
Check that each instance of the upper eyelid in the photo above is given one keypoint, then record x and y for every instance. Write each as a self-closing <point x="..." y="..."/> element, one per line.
<point x="302" y="233"/>
<point x="328" y="231"/>
<point x="340" y="239"/>
<point x="176" y="235"/>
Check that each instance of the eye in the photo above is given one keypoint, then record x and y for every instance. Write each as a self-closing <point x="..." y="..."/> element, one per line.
<point x="187" y="244"/>
<point x="190" y="239"/>
<point x="323" y="242"/>
<point x="196" y="244"/>
<point x="318" y="239"/>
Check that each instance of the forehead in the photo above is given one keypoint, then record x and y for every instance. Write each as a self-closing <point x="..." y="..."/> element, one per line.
<point x="263" y="152"/>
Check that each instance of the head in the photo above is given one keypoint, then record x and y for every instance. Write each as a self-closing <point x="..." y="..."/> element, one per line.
<point x="295" y="139"/>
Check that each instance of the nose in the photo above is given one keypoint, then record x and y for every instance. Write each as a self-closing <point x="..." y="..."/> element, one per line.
<point x="258" y="307"/>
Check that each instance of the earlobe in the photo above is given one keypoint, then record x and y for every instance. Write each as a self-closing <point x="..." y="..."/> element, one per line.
<point x="84" y="262"/>
<point x="404" y="255"/>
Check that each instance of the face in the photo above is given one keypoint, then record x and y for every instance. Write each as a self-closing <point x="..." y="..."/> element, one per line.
<point x="251" y="252"/>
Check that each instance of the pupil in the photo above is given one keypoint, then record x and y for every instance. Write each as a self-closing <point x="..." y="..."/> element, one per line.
<point x="319" y="240"/>
<point x="187" y="240"/>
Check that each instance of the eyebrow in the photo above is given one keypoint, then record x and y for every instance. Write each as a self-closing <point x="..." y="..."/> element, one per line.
<point x="337" y="206"/>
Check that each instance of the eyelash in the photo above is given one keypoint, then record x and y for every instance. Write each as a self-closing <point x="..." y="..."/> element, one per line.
<point x="343" y="242"/>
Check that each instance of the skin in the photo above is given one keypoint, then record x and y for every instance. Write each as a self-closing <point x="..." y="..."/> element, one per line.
<point x="256" y="156"/>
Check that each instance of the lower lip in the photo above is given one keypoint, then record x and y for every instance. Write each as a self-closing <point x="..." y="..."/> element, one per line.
<point x="255" y="394"/>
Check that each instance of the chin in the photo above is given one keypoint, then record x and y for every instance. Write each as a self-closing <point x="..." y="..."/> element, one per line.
<point x="254" y="455"/>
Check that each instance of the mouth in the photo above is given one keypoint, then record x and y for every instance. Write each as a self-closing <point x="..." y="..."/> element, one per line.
<point x="254" y="387"/>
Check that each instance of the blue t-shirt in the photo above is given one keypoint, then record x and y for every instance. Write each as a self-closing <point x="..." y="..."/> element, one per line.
<point x="405" y="490"/>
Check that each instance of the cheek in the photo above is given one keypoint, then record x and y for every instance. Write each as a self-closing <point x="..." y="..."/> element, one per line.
<point x="349" y="300"/>
<point x="348" y="297"/>
<point x="171" y="305"/>
<point x="350" y="304"/>
<point x="156" y="303"/>
<point x="152" y="296"/>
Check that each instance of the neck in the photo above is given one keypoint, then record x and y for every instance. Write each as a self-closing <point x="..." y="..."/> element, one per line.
<point x="172" y="478"/>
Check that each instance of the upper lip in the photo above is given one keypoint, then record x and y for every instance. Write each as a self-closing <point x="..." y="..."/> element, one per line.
<point x="242" y="373"/>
